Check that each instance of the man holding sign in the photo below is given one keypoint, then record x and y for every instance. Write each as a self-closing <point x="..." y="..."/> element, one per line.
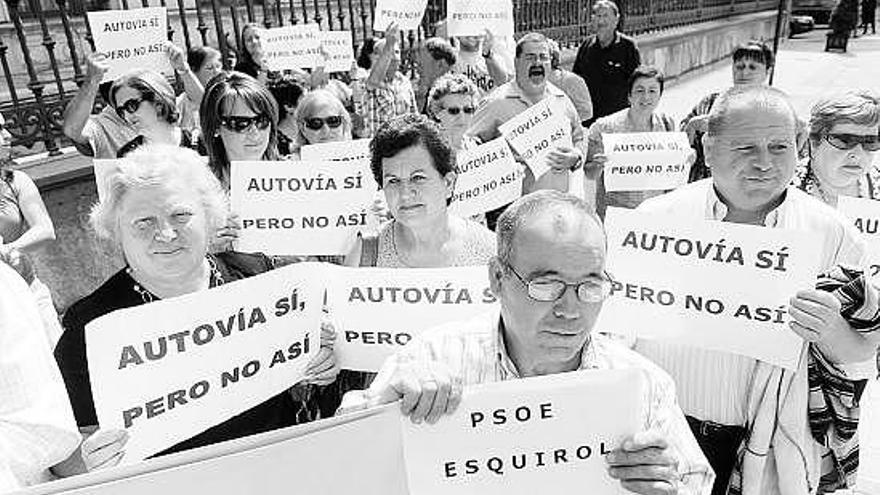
<point x="549" y="276"/>
<point x="752" y="151"/>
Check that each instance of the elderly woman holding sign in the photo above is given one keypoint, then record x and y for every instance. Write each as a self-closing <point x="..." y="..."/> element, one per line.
<point x="645" y="90"/>
<point x="162" y="208"/>
<point x="320" y="118"/>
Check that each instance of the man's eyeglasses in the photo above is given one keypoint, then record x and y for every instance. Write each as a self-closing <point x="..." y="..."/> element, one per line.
<point x="589" y="291"/>
<point x="316" y="123"/>
<point x="536" y="57"/>
<point x="850" y="141"/>
<point x="244" y="124"/>
<point x="458" y="110"/>
<point x="130" y="106"/>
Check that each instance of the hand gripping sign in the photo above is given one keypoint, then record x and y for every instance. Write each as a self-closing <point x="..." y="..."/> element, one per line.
<point x="536" y="132"/>
<point x="131" y="39"/>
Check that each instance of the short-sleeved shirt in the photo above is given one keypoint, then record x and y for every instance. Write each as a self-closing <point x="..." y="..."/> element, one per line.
<point x="379" y="104"/>
<point x="606" y="71"/>
<point x="477" y="247"/>
<point x="106" y="133"/>
<point x="577" y="91"/>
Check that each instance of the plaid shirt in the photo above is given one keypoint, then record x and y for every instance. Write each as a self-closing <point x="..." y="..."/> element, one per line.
<point x="379" y="104"/>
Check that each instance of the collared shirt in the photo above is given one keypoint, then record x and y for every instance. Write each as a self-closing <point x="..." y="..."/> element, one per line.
<point x="474" y="350"/>
<point x="379" y="104"/>
<point x="37" y="429"/>
<point x="606" y="71"/>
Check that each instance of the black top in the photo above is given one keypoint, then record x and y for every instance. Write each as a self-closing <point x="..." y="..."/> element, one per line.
<point x="118" y="293"/>
<point x="606" y="72"/>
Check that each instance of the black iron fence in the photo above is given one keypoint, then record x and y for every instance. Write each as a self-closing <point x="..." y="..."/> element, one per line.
<point x="43" y="44"/>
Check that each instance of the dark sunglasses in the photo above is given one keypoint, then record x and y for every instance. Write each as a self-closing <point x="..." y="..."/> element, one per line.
<point x="850" y="141"/>
<point x="130" y="106"/>
<point x="457" y="110"/>
<point x="316" y="123"/>
<point x="244" y="124"/>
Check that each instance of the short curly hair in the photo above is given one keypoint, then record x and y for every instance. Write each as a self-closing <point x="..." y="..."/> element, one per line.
<point x="857" y="106"/>
<point x="405" y="132"/>
<point x="450" y="84"/>
<point x="152" y="87"/>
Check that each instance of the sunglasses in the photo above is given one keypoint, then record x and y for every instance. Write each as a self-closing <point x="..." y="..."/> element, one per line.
<point x="457" y="110"/>
<point x="130" y="106"/>
<point x="316" y="123"/>
<point x="244" y="124"/>
<point x="850" y="141"/>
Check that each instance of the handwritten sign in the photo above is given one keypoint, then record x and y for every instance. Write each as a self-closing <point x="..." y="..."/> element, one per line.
<point x="337" y="49"/>
<point x="645" y="161"/>
<point x="301" y="208"/>
<point x="473" y="17"/>
<point x="339" y="151"/>
<point x="379" y="310"/>
<point x="536" y="132"/>
<point x="173" y="368"/>
<point x="406" y="13"/>
<point x="131" y="39"/>
<point x="487" y="177"/>
<point x="865" y="215"/>
<point x="715" y="285"/>
<point x="292" y="47"/>
<point x="523" y="436"/>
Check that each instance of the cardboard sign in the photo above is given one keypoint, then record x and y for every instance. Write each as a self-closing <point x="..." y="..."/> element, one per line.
<point x="379" y="310"/>
<point x="536" y="132"/>
<point x="473" y="17"/>
<point x="406" y="13"/>
<point x="714" y="285"/>
<point x="301" y="208"/>
<point x="339" y="151"/>
<point x="168" y="370"/>
<point x="337" y="50"/>
<point x="865" y="215"/>
<point x="292" y="47"/>
<point x="525" y="436"/>
<point x="131" y="39"/>
<point x="487" y="177"/>
<point x="645" y="161"/>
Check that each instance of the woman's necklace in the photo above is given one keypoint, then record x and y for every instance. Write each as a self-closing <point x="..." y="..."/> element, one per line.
<point x="215" y="279"/>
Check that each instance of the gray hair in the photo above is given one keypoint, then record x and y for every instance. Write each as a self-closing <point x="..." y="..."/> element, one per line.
<point x="858" y="106"/>
<point x="755" y="96"/>
<point x="450" y="84"/>
<point x="309" y="105"/>
<point x="153" y="165"/>
<point x="606" y="4"/>
<point x="530" y="206"/>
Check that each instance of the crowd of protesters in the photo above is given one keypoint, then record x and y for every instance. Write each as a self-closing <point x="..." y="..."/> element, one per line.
<point x="715" y="422"/>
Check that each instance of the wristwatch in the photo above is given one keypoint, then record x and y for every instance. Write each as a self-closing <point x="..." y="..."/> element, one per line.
<point x="579" y="162"/>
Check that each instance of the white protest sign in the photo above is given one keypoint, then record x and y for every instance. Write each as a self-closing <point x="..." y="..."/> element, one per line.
<point x="526" y="436"/>
<point x="379" y="310"/>
<point x="536" y="132"/>
<point x="406" y="13"/>
<point x="131" y="39"/>
<point x="338" y="151"/>
<point x="337" y="49"/>
<point x="487" y="177"/>
<point x="714" y="285"/>
<point x="168" y="370"/>
<point x="292" y="47"/>
<point x="473" y="17"/>
<point x="301" y="208"/>
<point x="865" y="215"/>
<point x="645" y="161"/>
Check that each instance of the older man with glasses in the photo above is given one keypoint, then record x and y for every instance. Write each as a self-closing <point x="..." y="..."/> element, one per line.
<point x="549" y="276"/>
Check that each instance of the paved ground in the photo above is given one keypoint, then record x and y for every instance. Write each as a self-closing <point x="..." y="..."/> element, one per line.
<point x="806" y="71"/>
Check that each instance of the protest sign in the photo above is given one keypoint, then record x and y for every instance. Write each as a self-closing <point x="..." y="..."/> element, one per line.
<point x="865" y="215"/>
<point x="406" y="13"/>
<point x="707" y="284"/>
<point x="487" y="177"/>
<point x="524" y="436"/>
<point x="168" y="370"/>
<point x="338" y="51"/>
<point x="536" y="132"/>
<point x="131" y="39"/>
<point x="292" y="47"/>
<point x="474" y="17"/>
<point x="379" y="310"/>
<point x="301" y="208"/>
<point x="338" y="151"/>
<point x="645" y="161"/>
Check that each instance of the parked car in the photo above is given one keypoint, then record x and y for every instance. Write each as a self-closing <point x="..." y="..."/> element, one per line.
<point x="798" y="24"/>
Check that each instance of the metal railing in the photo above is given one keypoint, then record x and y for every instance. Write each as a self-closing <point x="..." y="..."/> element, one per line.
<point x="41" y="61"/>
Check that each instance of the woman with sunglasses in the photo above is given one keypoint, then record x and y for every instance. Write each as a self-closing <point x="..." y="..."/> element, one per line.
<point x="452" y="101"/>
<point x="145" y="100"/>
<point x="320" y="118"/>
<point x="843" y="140"/>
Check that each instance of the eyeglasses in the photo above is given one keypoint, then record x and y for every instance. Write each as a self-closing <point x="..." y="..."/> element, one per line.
<point x="588" y="291"/>
<point x="243" y="124"/>
<point x="536" y="57"/>
<point x="316" y="123"/>
<point x="130" y="106"/>
<point x="457" y="110"/>
<point x="850" y="141"/>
